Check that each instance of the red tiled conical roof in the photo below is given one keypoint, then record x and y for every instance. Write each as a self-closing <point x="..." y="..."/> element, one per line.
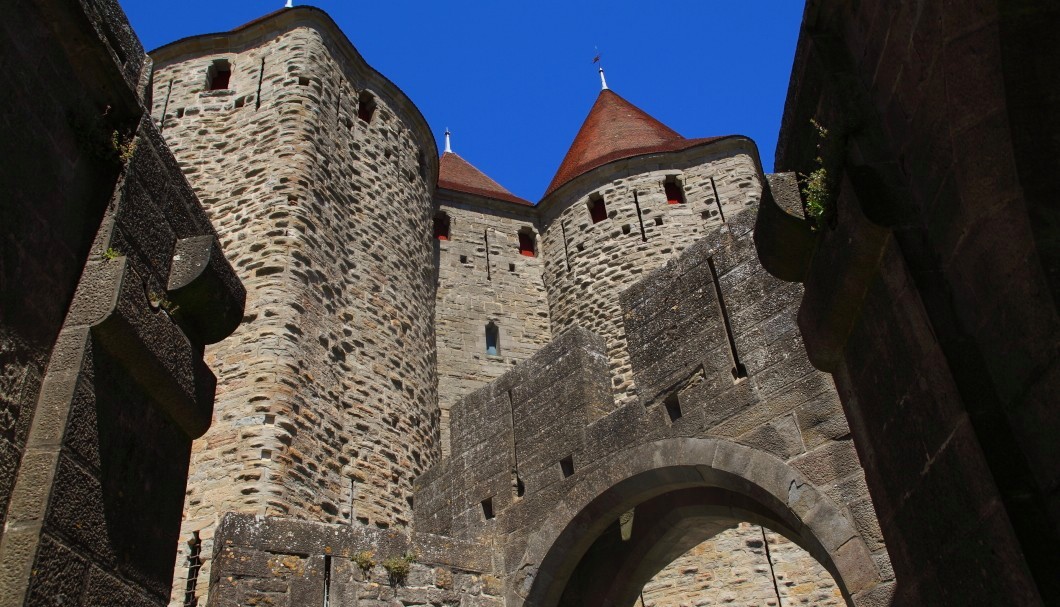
<point x="616" y="129"/>
<point x="455" y="173"/>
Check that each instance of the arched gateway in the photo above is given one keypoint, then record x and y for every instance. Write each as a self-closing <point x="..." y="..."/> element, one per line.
<point x="682" y="491"/>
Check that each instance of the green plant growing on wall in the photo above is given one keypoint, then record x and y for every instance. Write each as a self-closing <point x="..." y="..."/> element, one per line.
<point x="111" y="254"/>
<point x="817" y="187"/>
<point x="398" y="567"/>
<point x="365" y="561"/>
<point x="124" y="147"/>
<point x="159" y="301"/>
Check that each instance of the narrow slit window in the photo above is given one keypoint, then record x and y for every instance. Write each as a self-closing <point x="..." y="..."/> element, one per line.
<point x="487" y="508"/>
<point x="493" y="339"/>
<point x="441" y="226"/>
<point x="597" y="208"/>
<point x="366" y="106"/>
<point x="519" y="486"/>
<point x="527" y="244"/>
<point x="675" y="192"/>
<point x="566" y="465"/>
<point x="219" y="75"/>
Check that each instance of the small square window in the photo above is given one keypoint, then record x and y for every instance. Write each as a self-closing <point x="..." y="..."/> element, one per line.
<point x="219" y="75"/>
<point x="566" y="465"/>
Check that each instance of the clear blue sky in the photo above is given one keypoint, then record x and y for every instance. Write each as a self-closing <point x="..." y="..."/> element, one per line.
<point x="515" y="80"/>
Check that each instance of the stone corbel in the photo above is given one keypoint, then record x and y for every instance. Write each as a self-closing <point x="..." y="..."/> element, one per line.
<point x="206" y="290"/>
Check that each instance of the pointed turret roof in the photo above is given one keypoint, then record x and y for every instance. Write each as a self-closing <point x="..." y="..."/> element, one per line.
<point x="616" y="129"/>
<point x="455" y="173"/>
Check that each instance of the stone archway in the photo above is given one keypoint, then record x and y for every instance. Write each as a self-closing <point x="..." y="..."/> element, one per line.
<point x="686" y="480"/>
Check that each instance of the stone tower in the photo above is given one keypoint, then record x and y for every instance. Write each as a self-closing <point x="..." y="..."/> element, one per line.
<point x="490" y="283"/>
<point x="630" y="194"/>
<point x="319" y="174"/>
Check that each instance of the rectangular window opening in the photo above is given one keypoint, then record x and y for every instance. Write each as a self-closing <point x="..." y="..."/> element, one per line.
<point x="673" y="407"/>
<point x="366" y="106"/>
<point x="219" y="75"/>
<point x="487" y="508"/>
<point x="511" y="267"/>
<point x="441" y="226"/>
<point x="626" y="229"/>
<point x="566" y="465"/>
<point x="527" y="244"/>
<point x="658" y="221"/>
<point x="675" y="193"/>
<point x="597" y="208"/>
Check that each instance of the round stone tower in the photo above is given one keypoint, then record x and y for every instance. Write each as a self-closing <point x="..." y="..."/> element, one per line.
<point x="630" y="194"/>
<point x="318" y="174"/>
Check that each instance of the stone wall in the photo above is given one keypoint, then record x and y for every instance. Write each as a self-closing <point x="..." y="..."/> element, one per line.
<point x="111" y="283"/>
<point x="545" y="437"/>
<point x="587" y="264"/>
<point x="733" y="568"/>
<point x="281" y="561"/>
<point x="328" y="408"/>
<point x="509" y="292"/>
<point x="931" y="283"/>
<point x="58" y="173"/>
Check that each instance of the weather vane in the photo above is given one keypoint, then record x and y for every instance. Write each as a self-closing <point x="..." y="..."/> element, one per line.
<point x="596" y="59"/>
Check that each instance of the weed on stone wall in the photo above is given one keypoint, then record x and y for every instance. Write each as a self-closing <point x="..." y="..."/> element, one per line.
<point x="398" y="567"/>
<point x="365" y="561"/>
<point x="817" y="187"/>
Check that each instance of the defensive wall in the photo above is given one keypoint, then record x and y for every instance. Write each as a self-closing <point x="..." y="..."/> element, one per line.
<point x="931" y="281"/>
<point x="112" y="281"/>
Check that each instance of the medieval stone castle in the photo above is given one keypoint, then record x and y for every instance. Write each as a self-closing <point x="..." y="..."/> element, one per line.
<point x="238" y="277"/>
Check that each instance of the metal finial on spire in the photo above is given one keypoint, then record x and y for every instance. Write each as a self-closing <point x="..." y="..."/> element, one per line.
<point x="448" y="148"/>
<point x="603" y="81"/>
<point x="290" y="4"/>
